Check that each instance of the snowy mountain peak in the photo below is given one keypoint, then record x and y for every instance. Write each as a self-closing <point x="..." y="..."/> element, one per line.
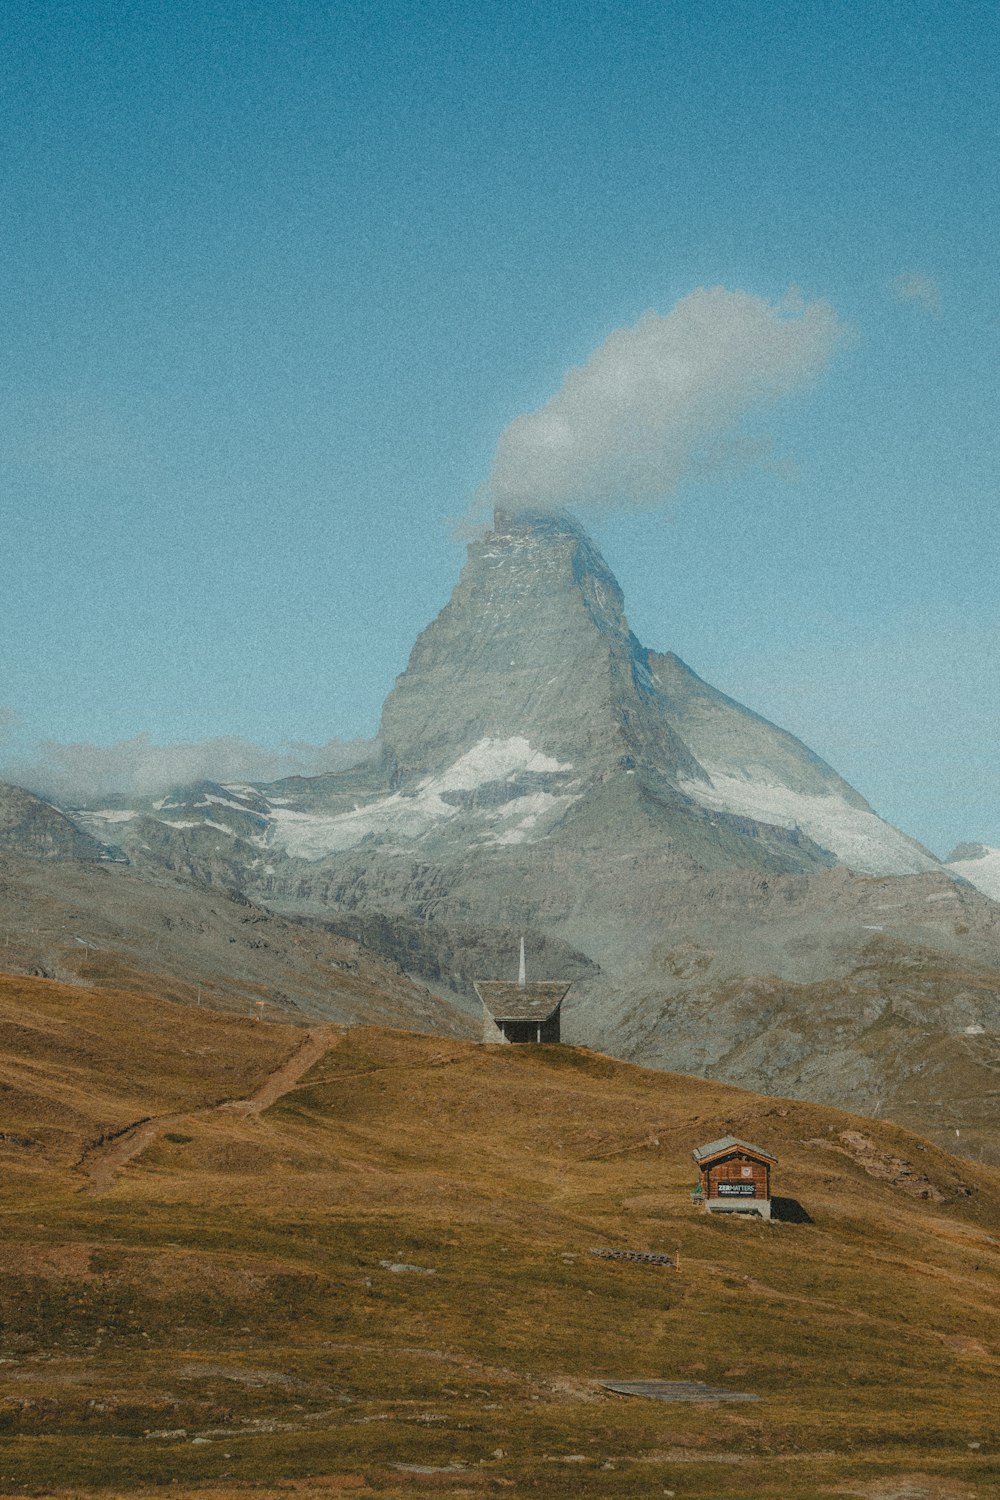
<point x="533" y="642"/>
<point x="529" y="714"/>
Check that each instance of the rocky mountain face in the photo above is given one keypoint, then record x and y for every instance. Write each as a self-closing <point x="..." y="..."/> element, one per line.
<point x="30" y="825"/>
<point x="533" y="645"/>
<point x="105" y="925"/>
<point x="530" y="680"/>
<point x="539" y="771"/>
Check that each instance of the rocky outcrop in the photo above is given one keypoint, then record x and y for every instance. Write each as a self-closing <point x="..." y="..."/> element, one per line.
<point x="33" y="827"/>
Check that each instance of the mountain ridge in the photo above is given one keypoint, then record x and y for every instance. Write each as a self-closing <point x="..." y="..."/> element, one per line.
<point x="527" y="694"/>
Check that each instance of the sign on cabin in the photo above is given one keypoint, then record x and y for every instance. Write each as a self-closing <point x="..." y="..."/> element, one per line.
<point x="734" y="1177"/>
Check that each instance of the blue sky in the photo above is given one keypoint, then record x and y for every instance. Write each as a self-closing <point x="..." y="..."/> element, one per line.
<point x="274" y="280"/>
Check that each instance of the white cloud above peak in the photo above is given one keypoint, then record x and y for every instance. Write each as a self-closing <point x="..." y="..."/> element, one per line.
<point x="661" y="401"/>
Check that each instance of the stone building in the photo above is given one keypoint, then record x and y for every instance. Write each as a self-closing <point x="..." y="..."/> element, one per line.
<point x="521" y="1012"/>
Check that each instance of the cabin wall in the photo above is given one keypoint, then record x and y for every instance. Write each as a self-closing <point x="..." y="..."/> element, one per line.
<point x="491" y="1031"/>
<point x="736" y="1177"/>
<point x="742" y="1175"/>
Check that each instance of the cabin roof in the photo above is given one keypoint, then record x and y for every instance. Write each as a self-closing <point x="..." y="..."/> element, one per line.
<point x="727" y="1144"/>
<point x="507" y="1001"/>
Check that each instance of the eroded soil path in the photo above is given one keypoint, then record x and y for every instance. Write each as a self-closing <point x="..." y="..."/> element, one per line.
<point x="317" y="1043"/>
<point x="103" y="1163"/>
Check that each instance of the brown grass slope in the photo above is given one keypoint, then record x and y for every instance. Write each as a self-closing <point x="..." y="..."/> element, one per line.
<point x="381" y="1282"/>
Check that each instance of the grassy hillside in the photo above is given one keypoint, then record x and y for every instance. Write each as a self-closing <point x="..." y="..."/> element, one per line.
<point x="380" y="1282"/>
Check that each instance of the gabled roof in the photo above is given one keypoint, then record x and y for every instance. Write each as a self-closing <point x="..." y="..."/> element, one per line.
<point x="537" y="1001"/>
<point x="725" y="1145"/>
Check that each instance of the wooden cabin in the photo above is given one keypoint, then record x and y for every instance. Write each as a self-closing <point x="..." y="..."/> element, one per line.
<point x="734" y="1177"/>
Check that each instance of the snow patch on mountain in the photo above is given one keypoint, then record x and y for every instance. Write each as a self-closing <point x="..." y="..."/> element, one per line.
<point x="981" y="869"/>
<point x="408" y="815"/>
<point x="195" y="823"/>
<point x="856" y="836"/>
<point x="104" y="815"/>
<point x="491" y="760"/>
<point x="530" y="810"/>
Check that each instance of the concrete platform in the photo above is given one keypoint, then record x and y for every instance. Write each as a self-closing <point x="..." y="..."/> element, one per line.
<point x="759" y="1206"/>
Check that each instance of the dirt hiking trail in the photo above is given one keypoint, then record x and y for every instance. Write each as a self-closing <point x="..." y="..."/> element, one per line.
<point x="103" y="1162"/>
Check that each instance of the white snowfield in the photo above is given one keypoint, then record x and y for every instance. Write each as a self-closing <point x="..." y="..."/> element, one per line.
<point x="195" y="823"/>
<point x="408" y="815"/>
<point x="211" y="800"/>
<point x="856" y="836"/>
<point x="105" y="815"/>
<point x="983" y="871"/>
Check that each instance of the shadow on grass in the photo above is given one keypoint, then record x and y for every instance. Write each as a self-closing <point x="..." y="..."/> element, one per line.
<point x="790" y="1211"/>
